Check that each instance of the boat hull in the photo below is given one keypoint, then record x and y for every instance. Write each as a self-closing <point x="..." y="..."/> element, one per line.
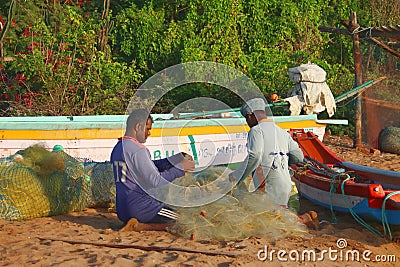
<point x="364" y="194"/>
<point x="211" y="141"/>
<point x="360" y="205"/>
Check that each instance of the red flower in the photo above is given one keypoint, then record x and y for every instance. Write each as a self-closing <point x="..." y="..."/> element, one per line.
<point x="29" y="98"/>
<point x="55" y="66"/>
<point x="5" y="96"/>
<point x="63" y="46"/>
<point x="2" y="21"/>
<point x="26" y="33"/>
<point x="20" y="78"/>
<point x="33" y="44"/>
<point x="28" y="102"/>
<point x="21" y="53"/>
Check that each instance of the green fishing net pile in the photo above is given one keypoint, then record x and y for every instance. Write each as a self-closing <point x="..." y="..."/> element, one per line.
<point x="236" y="215"/>
<point x="389" y="140"/>
<point x="102" y="193"/>
<point x="36" y="182"/>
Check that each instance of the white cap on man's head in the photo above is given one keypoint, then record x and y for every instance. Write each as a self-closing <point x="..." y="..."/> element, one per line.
<point x="252" y="105"/>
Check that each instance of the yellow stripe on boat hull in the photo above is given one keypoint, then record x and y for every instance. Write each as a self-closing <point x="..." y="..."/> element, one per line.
<point x="73" y="134"/>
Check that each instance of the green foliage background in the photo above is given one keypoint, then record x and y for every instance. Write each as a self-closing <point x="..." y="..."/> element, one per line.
<point x="60" y="68"/>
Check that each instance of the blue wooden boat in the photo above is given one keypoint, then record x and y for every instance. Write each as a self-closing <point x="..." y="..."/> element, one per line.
<point x="333" y="183"/>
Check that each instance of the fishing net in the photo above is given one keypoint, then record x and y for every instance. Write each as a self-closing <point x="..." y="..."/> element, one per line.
<point x="236" y="215"/>
<point x="36" y="183"/>
<point x="380" y="102"/>
<point x="22" y="195"/>
<point x="102" y="193"/>
<point x="381" y="116"/>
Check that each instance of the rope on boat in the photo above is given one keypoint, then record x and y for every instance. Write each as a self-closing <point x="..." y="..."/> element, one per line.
<point x="332" y="189"/>
<point x="364" y="223"/>
<point x="385" y="223"/>
<point x="324" y="171"/>
<point x="355" y="215"/>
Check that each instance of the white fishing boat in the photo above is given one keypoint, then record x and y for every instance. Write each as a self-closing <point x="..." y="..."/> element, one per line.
<point x="211" y="141"/>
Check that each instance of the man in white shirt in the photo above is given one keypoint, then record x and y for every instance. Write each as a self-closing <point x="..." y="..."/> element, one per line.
<point x="271" y="150"/>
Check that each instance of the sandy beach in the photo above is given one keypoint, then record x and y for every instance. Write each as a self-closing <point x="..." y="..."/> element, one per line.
<point x="92" y="238"/>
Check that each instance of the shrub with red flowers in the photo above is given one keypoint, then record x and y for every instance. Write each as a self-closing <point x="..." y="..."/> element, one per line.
<point x="58" y="70"/>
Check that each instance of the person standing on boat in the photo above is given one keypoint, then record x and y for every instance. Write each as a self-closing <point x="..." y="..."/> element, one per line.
<point x="136" y="175"/>
<point x="271" y="150"/>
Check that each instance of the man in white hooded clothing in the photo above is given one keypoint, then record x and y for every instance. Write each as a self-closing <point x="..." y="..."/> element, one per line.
<point x="271" y="150"/>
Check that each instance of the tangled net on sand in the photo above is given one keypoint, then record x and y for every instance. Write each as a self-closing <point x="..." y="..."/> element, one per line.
<point x="236" y="215"/>
<point x="102" y="192"/>
<point x="36" y="183"/>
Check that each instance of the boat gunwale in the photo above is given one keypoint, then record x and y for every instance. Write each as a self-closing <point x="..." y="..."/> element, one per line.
<point x="118" y="122"/>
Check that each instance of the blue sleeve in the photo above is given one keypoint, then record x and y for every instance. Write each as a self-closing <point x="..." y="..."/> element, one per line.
<point x="147" y="173"/>
<point x="173" y="173"/>
<point x="167" y="163"/>
<point x="162" y="164"/>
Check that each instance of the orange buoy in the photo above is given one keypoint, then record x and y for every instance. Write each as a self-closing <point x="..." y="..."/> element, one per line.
<point x="274" y="97"/>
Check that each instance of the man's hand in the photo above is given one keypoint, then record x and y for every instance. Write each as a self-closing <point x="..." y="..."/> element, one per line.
<point x="188" y="165"/>
<point x="232" y="178"/>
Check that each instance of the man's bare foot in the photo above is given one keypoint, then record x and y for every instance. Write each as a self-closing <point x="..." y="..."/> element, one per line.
<point x="131" y="225"/>
<point x="136" y="226"/>
<point x="310" y="219"/>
